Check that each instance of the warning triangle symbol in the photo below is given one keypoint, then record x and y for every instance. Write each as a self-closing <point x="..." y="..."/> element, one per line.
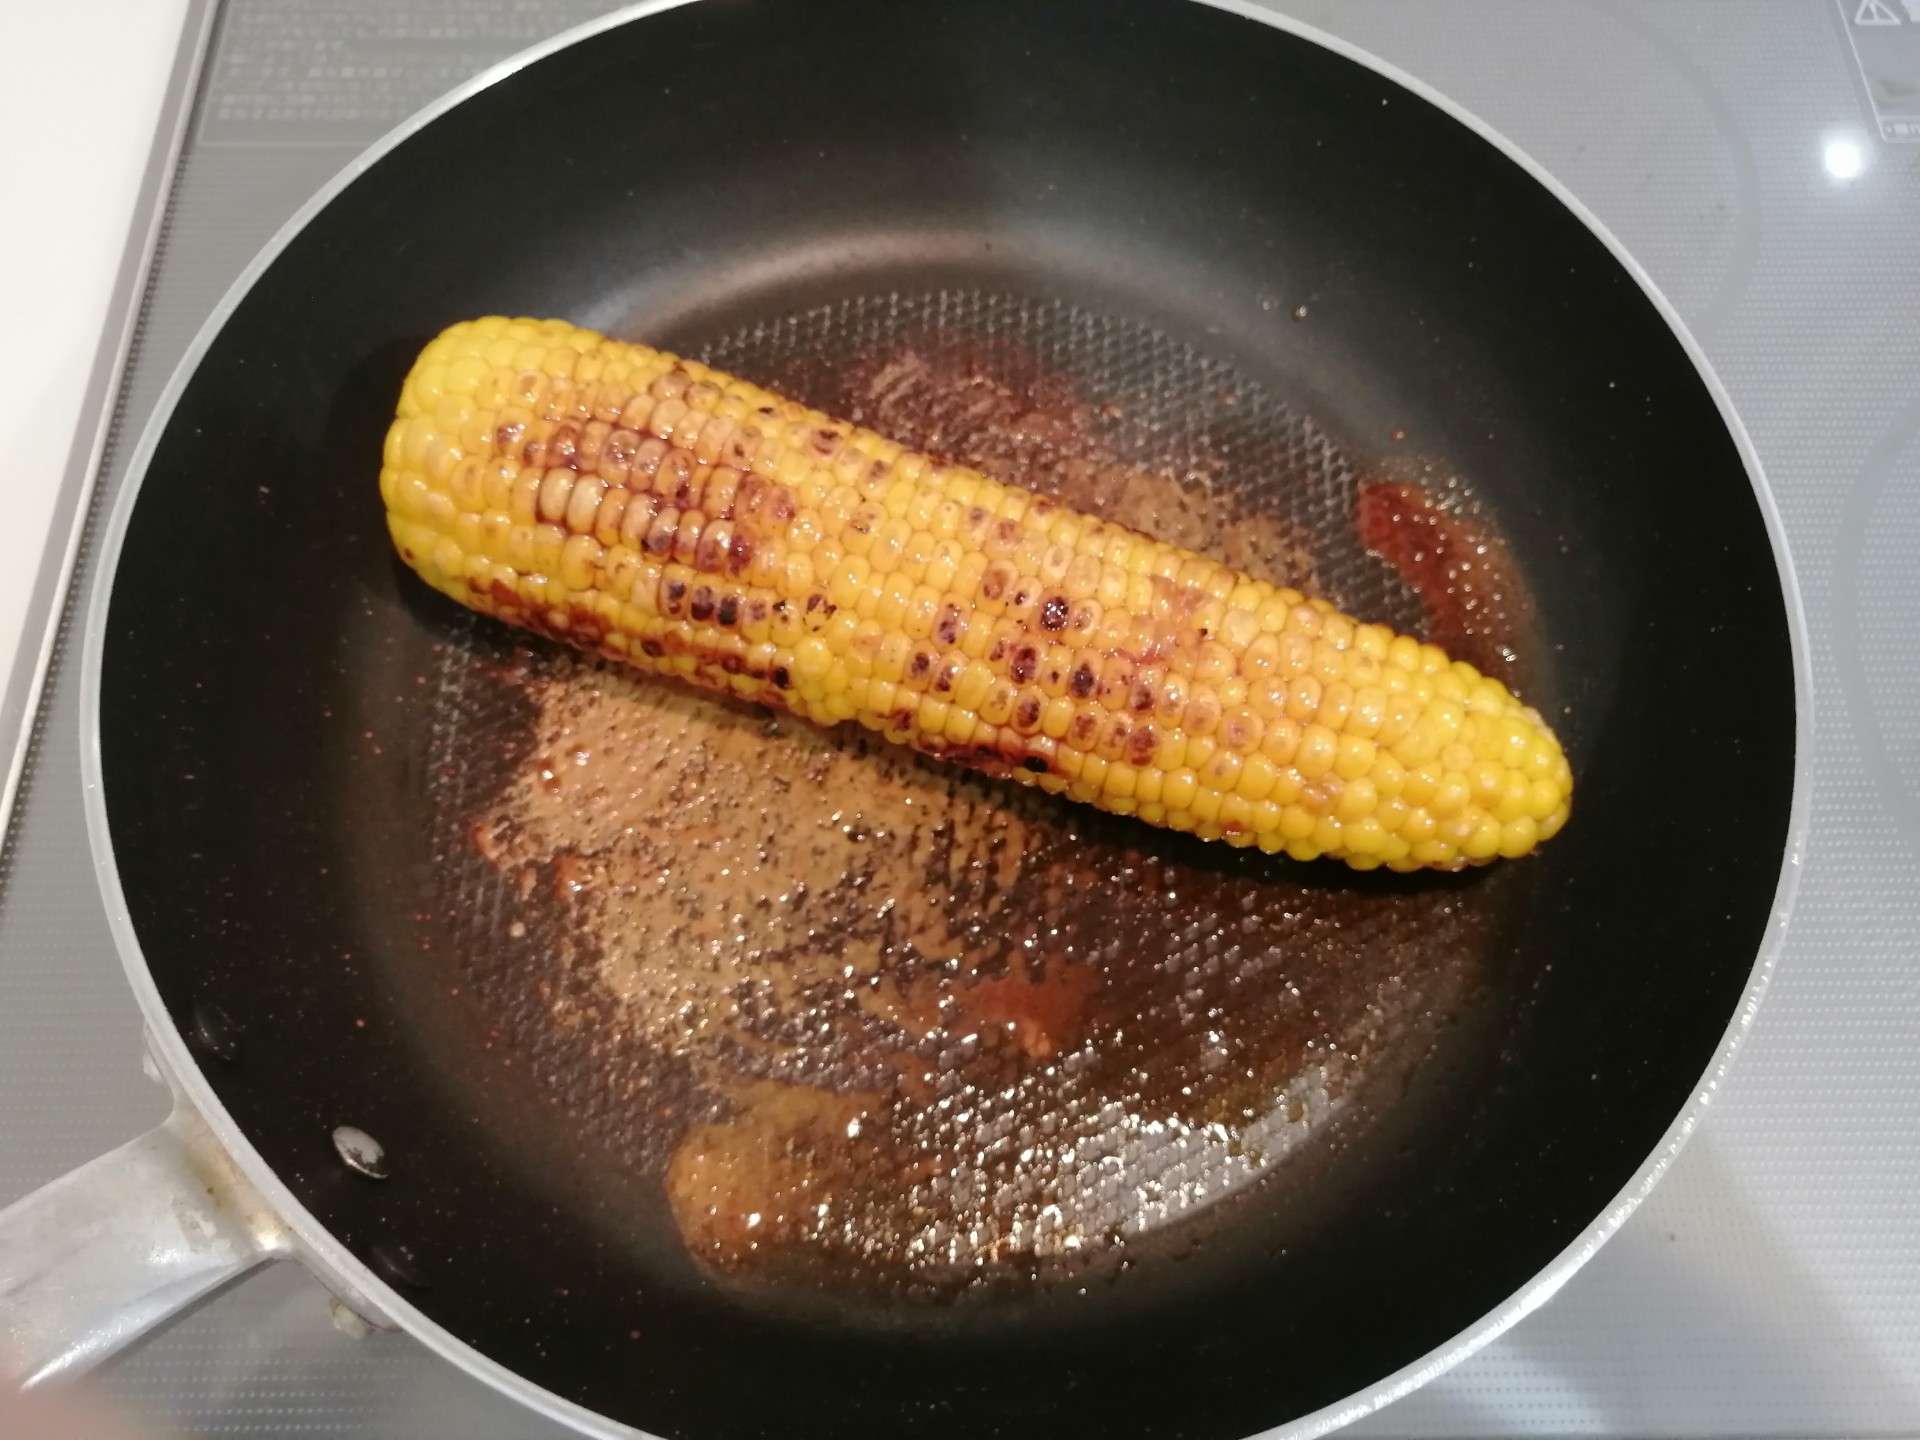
<point x="1875" y="12"/>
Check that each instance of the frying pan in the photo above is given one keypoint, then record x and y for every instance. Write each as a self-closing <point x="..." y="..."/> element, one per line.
<point x="1181" y="209"/>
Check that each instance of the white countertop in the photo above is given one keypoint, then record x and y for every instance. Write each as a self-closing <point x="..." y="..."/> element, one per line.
<point x="78" y="137"/>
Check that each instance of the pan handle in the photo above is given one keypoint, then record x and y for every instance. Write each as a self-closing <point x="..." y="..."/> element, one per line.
<point x="99" y="1257"/>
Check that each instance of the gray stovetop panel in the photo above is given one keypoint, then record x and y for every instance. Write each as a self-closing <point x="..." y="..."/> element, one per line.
<point x="1772" y="1283"/>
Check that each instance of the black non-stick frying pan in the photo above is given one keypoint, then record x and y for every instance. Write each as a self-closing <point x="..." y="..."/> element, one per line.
<point x="1219" y="235"/>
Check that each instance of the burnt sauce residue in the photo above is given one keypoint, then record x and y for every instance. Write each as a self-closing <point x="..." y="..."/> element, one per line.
<point x="1424" y="522"/>
<point x="909" y="1029"/>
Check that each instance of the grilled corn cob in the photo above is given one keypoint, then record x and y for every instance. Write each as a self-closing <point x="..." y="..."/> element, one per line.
<point x="678" y="519"/>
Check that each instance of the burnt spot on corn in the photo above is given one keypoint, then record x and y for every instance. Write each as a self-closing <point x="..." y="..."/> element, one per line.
<point x="704" y="603"/>
<point x="646" y="459"/>
<point x="1082" y="682"/>
<point x="739" y="447"/>
<point x="1026" y="660"/>
<point x="718" y="662"/>
<point x="587" y="624"/>
<point x="921" y="666"/>
<point x="563" y="446"/>
<point x="1053" y="612"/>
<point x="573" y="624"/>
<point x="619" y="449"/>
<point x="988" y="759"/>
<point x="1141" y="746"/>
<point x="728" y="611"/>
<point x="1026" y="715"/>
<point x="1143" y="695"/>
<point x="947" y="628"/>
<point x="993" y="584"/>
<point x="739" y="553"/>
<point x="781" y="679"/>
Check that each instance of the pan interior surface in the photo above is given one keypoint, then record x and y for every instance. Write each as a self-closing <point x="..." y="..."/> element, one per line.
<point x="1250" y="308"/>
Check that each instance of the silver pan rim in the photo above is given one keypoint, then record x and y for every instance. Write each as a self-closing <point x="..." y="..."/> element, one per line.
<point x="329" y="1255"/>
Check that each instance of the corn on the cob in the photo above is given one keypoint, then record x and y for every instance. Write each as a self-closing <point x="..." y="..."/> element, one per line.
<point x="673" y="517"/>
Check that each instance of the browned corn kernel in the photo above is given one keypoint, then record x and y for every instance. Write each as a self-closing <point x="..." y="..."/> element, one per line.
<point x="673" y="517"/>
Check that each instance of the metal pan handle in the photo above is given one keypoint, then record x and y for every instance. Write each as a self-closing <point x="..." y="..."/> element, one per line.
<point x="99" y="1257"/>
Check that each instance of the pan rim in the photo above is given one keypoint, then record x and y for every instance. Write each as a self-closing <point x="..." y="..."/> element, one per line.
<point x="322" y="1250"/>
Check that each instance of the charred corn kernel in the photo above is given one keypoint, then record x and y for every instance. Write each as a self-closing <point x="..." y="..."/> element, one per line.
<point x="622" y="499"/>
